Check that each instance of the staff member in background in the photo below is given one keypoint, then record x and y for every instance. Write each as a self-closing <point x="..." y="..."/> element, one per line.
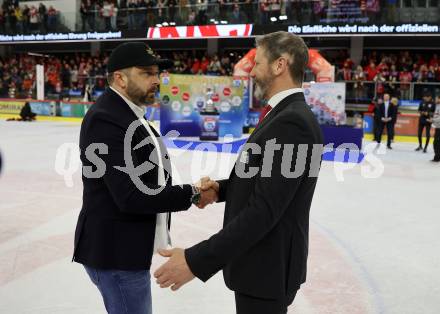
<point x="394" y="102"/>
<point x="125" y="215"/>
<point x="388" y="116"/>
<point x="262" y="248"/>
<point x="426" y="110"/>
<point x="26" y="113"/>
<point x="373" y="108"/>
<point x="436" y="124"/>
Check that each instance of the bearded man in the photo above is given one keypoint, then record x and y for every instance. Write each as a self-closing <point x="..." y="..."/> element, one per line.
<point x="128" y="193"/>
<point x="262" y="248"/>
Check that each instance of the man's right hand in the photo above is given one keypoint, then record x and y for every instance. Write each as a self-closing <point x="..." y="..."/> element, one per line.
<point x="208" y="191"/>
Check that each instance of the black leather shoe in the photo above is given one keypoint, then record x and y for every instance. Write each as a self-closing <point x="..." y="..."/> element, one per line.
<point x="425" y="150"/>
<point x="389" y="147"/>
<point x="435" y="160"/>
<point x="419" y="148"/>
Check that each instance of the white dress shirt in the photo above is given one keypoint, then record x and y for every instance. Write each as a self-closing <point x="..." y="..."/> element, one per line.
<point x="277" y="98"/>
<point x="386" y="104"/>
<point x="162" y="236"/>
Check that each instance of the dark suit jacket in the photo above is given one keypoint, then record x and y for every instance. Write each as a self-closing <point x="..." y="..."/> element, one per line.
<point x="392" y="112"/>
<point x="428" y="107"/>
<point x="263" y="245"/>
<point x="116" y="226"/>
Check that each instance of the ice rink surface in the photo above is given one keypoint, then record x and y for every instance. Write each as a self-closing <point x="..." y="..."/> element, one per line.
<point x="374" y="242"/>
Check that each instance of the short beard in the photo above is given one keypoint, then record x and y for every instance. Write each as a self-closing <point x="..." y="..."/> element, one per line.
<point x="262" y="86"/>
<point x="136" y="94"/>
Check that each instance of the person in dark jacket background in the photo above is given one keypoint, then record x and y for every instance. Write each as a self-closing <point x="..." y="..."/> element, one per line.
<point x="426" y="111"/>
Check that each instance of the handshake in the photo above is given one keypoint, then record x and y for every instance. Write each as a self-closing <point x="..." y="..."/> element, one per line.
<point x="208" y="191"/>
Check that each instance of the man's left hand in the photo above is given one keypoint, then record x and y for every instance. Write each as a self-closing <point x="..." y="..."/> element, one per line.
<point x="175" y="272"/>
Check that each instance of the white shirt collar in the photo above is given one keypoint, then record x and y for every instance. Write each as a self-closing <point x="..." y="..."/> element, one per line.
<point x="277" y="98"/>
<point x="138" y="111"/>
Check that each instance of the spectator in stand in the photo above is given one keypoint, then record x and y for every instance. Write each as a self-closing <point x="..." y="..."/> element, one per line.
<point x="90" y="14"/>
<point x="437" y="74"/>
<point x="66" y="76"/>
<point x="74" y="76"/>
<point x="2" y="22"/>
<point x="371" y="71"/>
<point x="264" y="11"/>
<point x="19" y="17"/>
<point x="419" y="59"/>
<point x="391" y="11"/>
<point x="34" y="19"/>
<point x="204" y="65"/>
<point x="106" y="13"/>
<point x="434" y="62"/>
<point x="380" y="80"/>
<point x="12" y="19"/>
<point x="132" y="14"/>
<point x="51" y="19"/>
<point x="27" y="86"/>
<point x="423" y="74"/>
<point x="195" y="66"/>
<point x="382" y="65"/>
<point x="393" y="78"/>
<point x="42" y="12"/>
<point x="405" y="78"/>
<point x="172" y="5"/>
<point x="225" y="64"/>
<point x="406" y="60"/>
<point x="415" y="73"/>
<point x="83" y="11"/>
<point x="214" y="66"/>
<point x="191" y="17"/>
<point x="430" y="75"/>
<point x="359" y="78"/>
<point x="236" y="16"/>
<point x="275" y="8"/>
<point x="346" y="73"/>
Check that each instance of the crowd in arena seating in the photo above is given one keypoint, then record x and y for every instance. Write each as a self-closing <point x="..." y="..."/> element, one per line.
<point x="390" y="72"/>
<point x="18" y="18"/>
<point x="141" y="13"/>
<point x="387" y="72"/>
<point x="75" y="71"/>
<point x="136" y="14"/>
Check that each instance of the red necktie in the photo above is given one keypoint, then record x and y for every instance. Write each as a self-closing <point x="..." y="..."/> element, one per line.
<point x="264" y="112"/>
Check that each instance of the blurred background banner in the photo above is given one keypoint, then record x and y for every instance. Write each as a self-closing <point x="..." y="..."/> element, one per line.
<point x="327" y="101"/>
<point x="183" y="97"/>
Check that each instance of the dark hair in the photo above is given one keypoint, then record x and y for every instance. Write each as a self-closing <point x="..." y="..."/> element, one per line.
<point x="282" y="43"/>
<point x="110" y="78"/>
<point x="111" y="75"/>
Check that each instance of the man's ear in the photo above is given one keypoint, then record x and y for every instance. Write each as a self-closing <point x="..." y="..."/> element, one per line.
<point x="280" y="66"/>
<point x="122" y="79"/>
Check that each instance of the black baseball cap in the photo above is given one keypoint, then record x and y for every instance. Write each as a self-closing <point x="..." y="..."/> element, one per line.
<point x="134" y="54"/>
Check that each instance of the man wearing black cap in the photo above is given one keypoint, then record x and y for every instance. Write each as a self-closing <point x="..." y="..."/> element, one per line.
<point x="128" y="192"/>
<point x="426" y="111"/>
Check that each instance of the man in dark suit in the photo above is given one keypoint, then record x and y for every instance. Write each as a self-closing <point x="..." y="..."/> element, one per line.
<point x="263" y="245"/>
<point x="387" y="117"/>
<point x="128" y="192"/>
